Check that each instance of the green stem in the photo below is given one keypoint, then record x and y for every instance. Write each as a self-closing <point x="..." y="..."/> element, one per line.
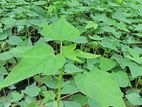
<point x="138" y="81"/>
<point x="4" y="94"/>
<point x="60" y="81"/>
<point x="61" y="45"/>
<point x="59" y="87"/>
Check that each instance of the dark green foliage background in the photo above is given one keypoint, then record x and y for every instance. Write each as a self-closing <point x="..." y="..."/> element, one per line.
<point x="110" y="28"/>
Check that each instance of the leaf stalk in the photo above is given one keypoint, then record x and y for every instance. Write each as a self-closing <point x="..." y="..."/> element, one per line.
<point x="60" y="80"/>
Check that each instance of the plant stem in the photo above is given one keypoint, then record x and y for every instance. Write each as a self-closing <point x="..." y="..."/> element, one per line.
<point x="137" y="82"/>
<point x="4" y="94"/>
<point x="60" y="81"/>
<point x="61" y="45"/>
<point x="28" y="81"/>
<point x="59" y="87"/>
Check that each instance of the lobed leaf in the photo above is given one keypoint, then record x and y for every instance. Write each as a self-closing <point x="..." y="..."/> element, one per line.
<point x="72" y="54"/>
<point x="60" y="30"/>
<point x="39" y="59"/>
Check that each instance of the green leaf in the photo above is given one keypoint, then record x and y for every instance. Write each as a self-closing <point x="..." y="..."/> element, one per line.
<point x="138" y="27"/>
<point x="122" y="78"/>
<point x="133" y="52"/>
<point x="71" y="68"/>
<point x="52" y="104"/>
<point x="135" y="69"/>
<point x="5" y="56"/>
<point x="103" y="88"/>
<point x="80" y="39"/>
<point x="68" y="51"/>
<point x="69" y="88"/>
<point x="122" y="26"/>
<point x="48" y="96"/>
<point x="4" y="34"/>
<point x="51" y="82"/>
<point x="9" y="22"/>
<point x="91" y="24"/>
<point x="70" y="104"/>
<point x="96" y="37"/>
<point x="32" y="90"/>
<point x="119" y="1"/>
<point x="14" y="52"/>
<point x="118" y="16"/>
<point x="135" y="59"/>
<point x="60" y="30"/>
<point x="16" y="96"/>
<point x="134" y="98"/>
<point x="72" y="54"/>
<point x="107" y="64"/>
<point x="40" y="2"/>
<point x="92" y="103"/>
<point x="19" y="50"/>
<point x="80" y="53"/>
<point x="110" y="43"/>
<point x="39" y="59"/>
<point x="64" y="104"/>
<point x="81" y="99"/>
<point x="14" y="40"/>
<point x="109" y="29"/>
<point x="33" y="104"/>
<point x="100" y="17"/>
<point x="134" y="56"/>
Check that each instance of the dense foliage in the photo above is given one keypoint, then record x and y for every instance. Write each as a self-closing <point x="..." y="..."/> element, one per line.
<point x="70" y="53"/>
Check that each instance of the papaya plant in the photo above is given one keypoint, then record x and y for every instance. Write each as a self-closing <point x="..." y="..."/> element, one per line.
<point x="41" y="59"/>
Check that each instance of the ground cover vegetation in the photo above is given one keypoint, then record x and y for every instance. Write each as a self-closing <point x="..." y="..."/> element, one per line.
<point x="70" y="53"/>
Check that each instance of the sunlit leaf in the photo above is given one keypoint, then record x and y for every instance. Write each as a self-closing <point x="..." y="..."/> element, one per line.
<point x="72" y="54"/>
<point x="60" y="30"/>
<point x="105" y="90"/>
<point x="39" y="59"/>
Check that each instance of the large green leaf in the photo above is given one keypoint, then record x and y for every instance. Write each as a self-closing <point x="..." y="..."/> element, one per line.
<point x="39" y="59"/>
<point x="103" y="88"/>
<point x="60" y="30"/>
